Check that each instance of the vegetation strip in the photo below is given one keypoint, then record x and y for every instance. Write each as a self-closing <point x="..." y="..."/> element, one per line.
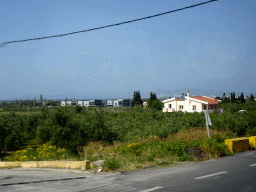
<point x="120" y="139"/>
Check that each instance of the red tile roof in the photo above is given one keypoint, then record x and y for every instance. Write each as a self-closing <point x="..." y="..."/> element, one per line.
<point x="206" y="99"/>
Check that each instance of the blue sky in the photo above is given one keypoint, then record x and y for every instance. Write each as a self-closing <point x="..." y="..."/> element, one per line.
<point x="212" y="46"/>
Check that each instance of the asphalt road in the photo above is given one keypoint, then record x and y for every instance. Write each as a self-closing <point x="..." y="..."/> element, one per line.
<point x="234" y="173"/>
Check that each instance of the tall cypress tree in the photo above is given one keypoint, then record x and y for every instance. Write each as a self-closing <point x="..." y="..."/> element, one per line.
<point x="154" y="103"/>
<point x="242" y="98"/>
<point x="136" y="99"/>
<point x="251" y="97"/>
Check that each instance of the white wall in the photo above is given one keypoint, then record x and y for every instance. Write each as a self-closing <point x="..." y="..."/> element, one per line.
<point x="186" y="106"/>
<point x="198" y="106"/>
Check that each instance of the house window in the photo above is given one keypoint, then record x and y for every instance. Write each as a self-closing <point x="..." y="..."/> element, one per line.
<point x="194" y="107"/>
<point x="170" y="105"/>
<point x="181" y="106"/>
<point x="205" y="107"/>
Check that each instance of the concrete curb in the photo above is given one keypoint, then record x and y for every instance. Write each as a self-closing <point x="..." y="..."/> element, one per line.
<point x="83" y="165"/>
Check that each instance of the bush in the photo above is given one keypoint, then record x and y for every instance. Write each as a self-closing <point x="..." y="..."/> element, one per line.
<point x="151" y="157"/>
<point x="215" y="146"/>
<point x="179" y="147"/>
<point x="111" y="164"/>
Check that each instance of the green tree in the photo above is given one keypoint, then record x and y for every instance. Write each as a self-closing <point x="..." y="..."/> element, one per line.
<point x="41" y="99"/>
<point x="34" y="102"/>
<point x="242" y="98"/>
<point x="251" y="97"/>
<point x="233" y="97"/>
<point x="152" y="96"/>
<point x="136" y="99"/>
<point x="154" y="103"/>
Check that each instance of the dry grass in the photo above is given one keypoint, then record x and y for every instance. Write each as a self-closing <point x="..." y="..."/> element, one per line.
<point x="194" y="134"/>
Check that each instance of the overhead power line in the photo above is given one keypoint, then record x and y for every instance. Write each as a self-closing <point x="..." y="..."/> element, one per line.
<point x="61" y="35"/>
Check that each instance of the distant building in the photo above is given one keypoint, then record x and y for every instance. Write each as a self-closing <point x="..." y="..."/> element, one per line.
<point x="110" y="102"/>
<point x="122" y="103"/>
<point x="83" y="103"/>
<point x="63" y="103"/>
<point x="118" y="103"/>
<point x="126" y="103"/>
<point x="71" y="103"/>
<point x="98" y="102"/>
<point x="80" y="103"/>
<point x="86" y="103"/>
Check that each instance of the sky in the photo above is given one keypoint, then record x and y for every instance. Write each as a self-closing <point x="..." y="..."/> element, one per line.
<point x="212" y="46"/>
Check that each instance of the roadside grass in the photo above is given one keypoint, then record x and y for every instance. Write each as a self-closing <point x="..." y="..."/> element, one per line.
<point x="154" y="151"/>
<point x="140" y="153"/>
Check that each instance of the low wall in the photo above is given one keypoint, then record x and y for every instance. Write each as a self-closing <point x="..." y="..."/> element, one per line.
<point x="83" y="165"/>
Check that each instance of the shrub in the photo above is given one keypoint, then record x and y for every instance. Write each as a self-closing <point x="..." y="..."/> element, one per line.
<point x="135" y="148"/>
<point x="111" y="164"/>
<point x="215" y="146"/>
<point x="151" y="157"/>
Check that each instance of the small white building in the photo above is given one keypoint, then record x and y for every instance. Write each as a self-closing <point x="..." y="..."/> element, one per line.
<point x="144" y="104"/>
<point x="86" y="103"/>
<point x="110" y="102"/>
<point x="118" y="103"/>
<point x="83" y="103"/>
<point x="63" y="103"/>
<point x="71" y="103"/>
<point x="80" y="103"/>
<point x="191" y="104"/>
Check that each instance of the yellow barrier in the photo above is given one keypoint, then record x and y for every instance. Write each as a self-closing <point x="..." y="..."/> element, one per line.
<point x="238" y="144"/>
<point x="252" y="141"/>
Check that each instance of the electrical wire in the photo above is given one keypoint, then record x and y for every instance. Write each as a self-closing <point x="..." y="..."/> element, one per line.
<point x="61" y="35"/>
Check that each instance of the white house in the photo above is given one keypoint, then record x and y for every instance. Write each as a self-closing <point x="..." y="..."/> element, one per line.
<point x="191" y="104"/>
<point x="63" y="103"/>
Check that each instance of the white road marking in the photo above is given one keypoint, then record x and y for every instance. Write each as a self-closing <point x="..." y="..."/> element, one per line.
<point x="211" y="175"/>
<point x="152" y="189"/>
<point x="253" y="165"/>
